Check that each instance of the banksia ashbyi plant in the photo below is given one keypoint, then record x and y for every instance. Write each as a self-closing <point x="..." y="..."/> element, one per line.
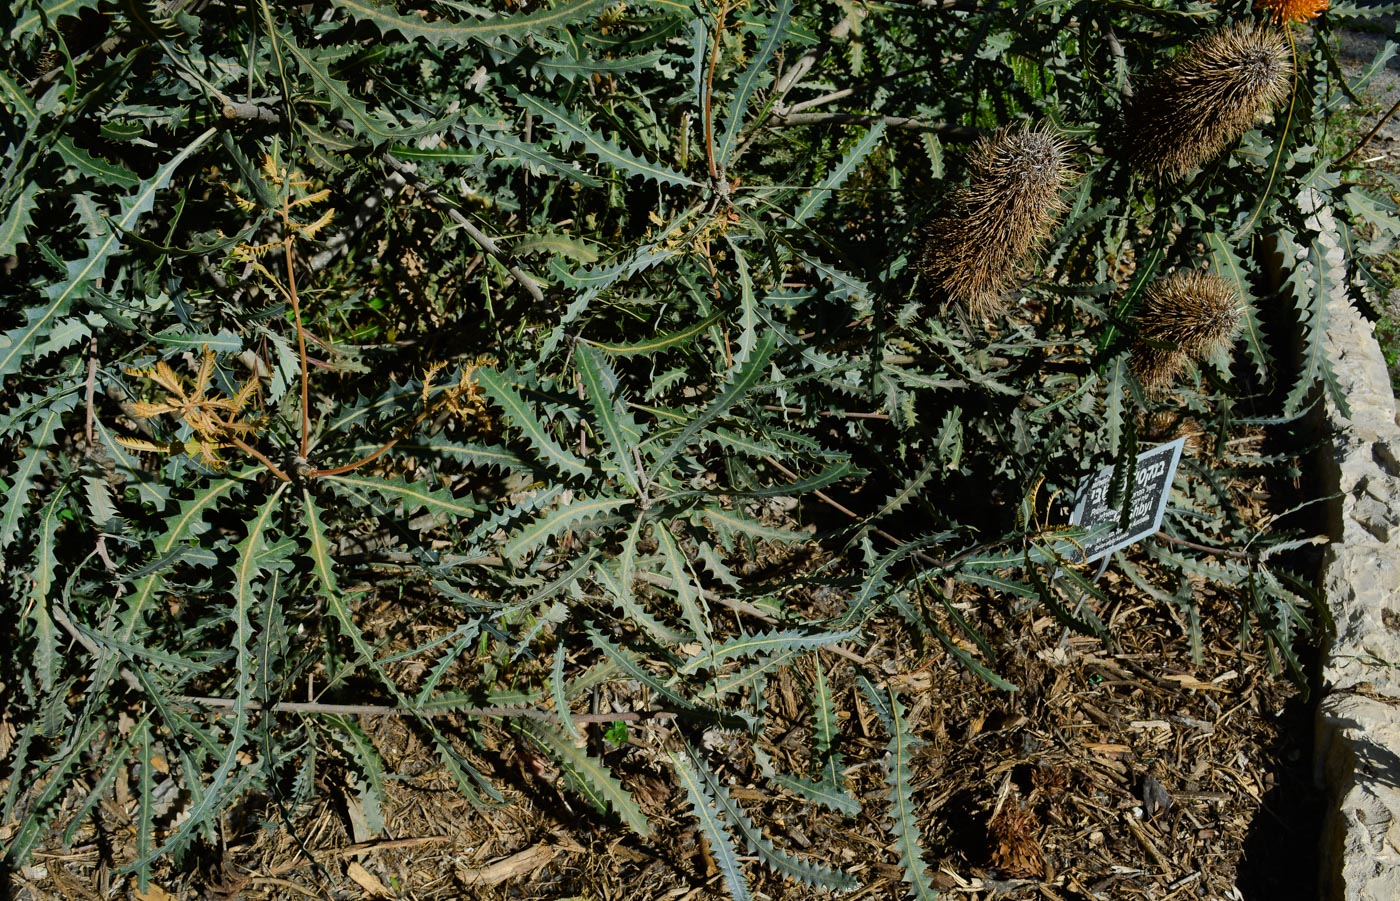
<point x="1185" y="316"/>
<point x="1293" y="10"/>
<point x="973" y="251"/>
<point x="1207" y="98"/>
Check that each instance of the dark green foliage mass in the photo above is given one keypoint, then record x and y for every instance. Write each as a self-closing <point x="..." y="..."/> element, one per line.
<point x="529" y="316"/>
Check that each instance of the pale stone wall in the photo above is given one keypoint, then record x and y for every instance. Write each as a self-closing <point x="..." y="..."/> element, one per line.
<point x="1358" y="730"/>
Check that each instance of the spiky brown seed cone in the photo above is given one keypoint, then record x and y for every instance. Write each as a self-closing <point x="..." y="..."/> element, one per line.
<point x="1207" y="98"/>
<point x="971" y="252"/>
<point x="1185" y="316"/>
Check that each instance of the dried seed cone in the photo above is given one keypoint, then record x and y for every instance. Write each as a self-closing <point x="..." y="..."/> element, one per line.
<point x="973" y="250"/>
<point x="1193" y="314"/>
<point x="1207" y="98"/>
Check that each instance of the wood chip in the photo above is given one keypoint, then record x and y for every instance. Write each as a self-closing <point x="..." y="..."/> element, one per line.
<point x="153" y="892"/>
<point x="517" y="864"/>
<point x="367" y="880"/>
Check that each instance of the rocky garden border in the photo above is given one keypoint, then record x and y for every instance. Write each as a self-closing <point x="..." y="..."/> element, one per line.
<point x="1358" y="719"/>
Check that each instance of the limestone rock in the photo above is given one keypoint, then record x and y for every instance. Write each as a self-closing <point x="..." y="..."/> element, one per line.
<point x="1357" y="742"/>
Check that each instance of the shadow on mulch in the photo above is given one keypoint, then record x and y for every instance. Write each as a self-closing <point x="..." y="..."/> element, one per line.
<point x="1281" y="856"/>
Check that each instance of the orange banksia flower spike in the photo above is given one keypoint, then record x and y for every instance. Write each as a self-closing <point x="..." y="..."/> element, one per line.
<point x="1288" y="11"/>
<point x="973" y="250"/>
<point x="1195" y="108"/>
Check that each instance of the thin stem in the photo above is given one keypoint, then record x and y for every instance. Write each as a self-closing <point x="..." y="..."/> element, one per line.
<point x="1282" y="137"/>
<point x="384" y="449"/>
<point x="846" y="414"/>
<point x="1369" y="135"/>
<point x="89" y="390"/>
<point x="1205" y="548"/>
<point x="481" y="238"/>
<point x="301" y="335"/>
<point x="532" y="713"/>
<point x="710" y="92"/>
<point x="952" y="132"/>
<point x="259" y="456"/>
<point x="351" y="467"/>
<point x="843" y="93"/>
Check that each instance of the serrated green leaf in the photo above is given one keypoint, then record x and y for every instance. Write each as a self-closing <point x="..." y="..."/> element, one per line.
<point x="571" y="67"/>
<point x="484" y="455"/>
<point x="765" y="643"/>
<point x="510" y="149"/>
<point x="812" y="874"/>
<point x="749" y="318"/>
<point x="828" y="795"/>
<point x="187" y="520"/>
<point x="18" y="219"/>
<point x="41" y="573"/>
<point x="587" y="775"/>
<point x="960" y="653"/>
<point x="523" y="417"/>
<point x="149" y="488"/>
<point x="903" y="814"/>
<point x="445" y="31"/>
<point x="728" y="523"/>
<point x="722" y="850"/>
<point x="18" y="343"/>
<point x="22" y="480"/>
<point x="224" y="341"/>
<point x="411" y="495"/>
<point x="463" y="640"/>
<point x="570" y="131"/>
<point x="103" y="171"/>
<point x="744" y="379"/>
<point x="683" y="587"/>
<point x="591" y="282"/>
<point x="621" y="595"/>
<point x="556" y="245"/>
<point x="1313" y="282"/>
<point x="825" y="727"/>
<point x="1228" y="266"/>
<point x="660" y="342"/>
<point x="818" y="196"/>
<point x="753" y="676"/>
<point x="599" y="386"/>
<point x="1089" y="625"/>
<point x="318" y="546"/>
<point x="560" y="693"/>
<point x="914" y="485"/>
<point x="539" y="530"/>
<point x="60" y="770"/>
<point x="836" y="472"/>
<point x="245" y="571"/>
<point x="774" y="31"/>
<point x="844" y="286"/>
<point x="145" y="794"/>
<point x="368" y="765"/>
<point x="633" y="667"/>
<point x="378" y="129"/>
<point x="48" y="11"/>
<point x="1116" y="406"/>
<point x="876" y="581"/>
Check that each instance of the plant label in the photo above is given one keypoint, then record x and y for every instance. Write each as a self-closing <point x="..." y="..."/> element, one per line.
<point x="1146" y="496"/>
